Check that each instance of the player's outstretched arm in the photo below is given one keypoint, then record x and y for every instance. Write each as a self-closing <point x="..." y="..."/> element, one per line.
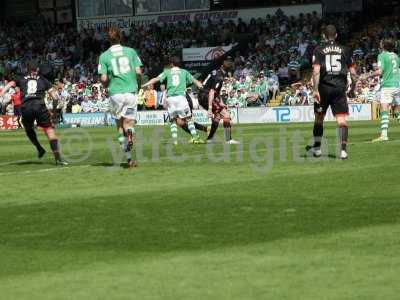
<point x="198" y="83"/>
<point x="151" y="81"/>
<point x="7" y="87"/>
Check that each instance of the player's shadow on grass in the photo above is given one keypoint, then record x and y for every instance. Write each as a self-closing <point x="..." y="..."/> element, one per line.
<point x="330" y="156"/>
<point x="110" y="165"/>
<point x="28" y="163"/>
<point x="103" y="164"/>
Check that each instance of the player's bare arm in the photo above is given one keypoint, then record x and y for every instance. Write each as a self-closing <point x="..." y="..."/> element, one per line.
<point x="198" y="83"/>
<point x="139" y="74"/>
<point x="104" y="80"/>
<point x="150" y="82"/>
<point x="211" y="97"/>
<point x="316" y="79"/>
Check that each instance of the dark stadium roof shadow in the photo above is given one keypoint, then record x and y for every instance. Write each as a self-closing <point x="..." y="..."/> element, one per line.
<point x="128" y="223"/>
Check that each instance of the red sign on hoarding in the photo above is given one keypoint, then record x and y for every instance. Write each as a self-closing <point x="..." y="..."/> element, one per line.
<point x="8" y="123"/>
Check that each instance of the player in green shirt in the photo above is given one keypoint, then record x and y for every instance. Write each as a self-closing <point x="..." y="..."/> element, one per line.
<point x="388" y="69"/>
<point x="178" y="107"/>
<point x="119" y="68"/>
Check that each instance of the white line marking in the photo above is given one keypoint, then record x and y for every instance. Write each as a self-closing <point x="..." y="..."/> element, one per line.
<point x="44" y="170"/>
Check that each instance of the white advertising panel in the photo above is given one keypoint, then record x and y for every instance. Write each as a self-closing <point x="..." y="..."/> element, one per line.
<point x="297" y="114"/>
<point x="204" y="54"/>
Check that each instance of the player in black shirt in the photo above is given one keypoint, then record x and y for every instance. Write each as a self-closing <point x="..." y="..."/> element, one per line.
<point x="33" y="89"/>
<point x="331" y="64"/>
<point x="210" y="100"/>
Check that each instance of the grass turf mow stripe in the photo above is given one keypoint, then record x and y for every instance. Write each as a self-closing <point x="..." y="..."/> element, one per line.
<point x="200" y="229"/>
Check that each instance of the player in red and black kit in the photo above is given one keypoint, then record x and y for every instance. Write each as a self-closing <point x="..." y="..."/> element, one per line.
<point x="33" y="89"/>
<point x="210" y="100"/>
<point x="331" y="64"/>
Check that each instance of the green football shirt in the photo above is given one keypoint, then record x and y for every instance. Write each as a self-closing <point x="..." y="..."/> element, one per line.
<point x="389" y="63"/>
<point x="231" y="101"/>
<point x="262" y="86"/>
<point x="177" y="81"/>
<point x="119" y="63"/>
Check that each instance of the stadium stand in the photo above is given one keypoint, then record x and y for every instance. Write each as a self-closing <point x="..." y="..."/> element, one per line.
<point x="271" y="69"/>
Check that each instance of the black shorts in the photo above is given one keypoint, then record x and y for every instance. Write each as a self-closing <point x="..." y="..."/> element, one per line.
<point x="190" y="102"/>
<point x="17" y="111"/>
<point x="203" y="100"/>
<point x="35" y="110"/>
<point x="216" y="105"/>
<point x="333" y="97"/>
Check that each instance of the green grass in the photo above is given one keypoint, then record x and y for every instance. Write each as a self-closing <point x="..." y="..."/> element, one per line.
<point x="266" y="225"/>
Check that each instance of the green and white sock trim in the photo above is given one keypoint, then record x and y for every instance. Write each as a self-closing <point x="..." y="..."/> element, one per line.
<point x="174" y="131"/>
<point x="121" y="138"/>
<point x="192" y="129"/>
<point x="385" y="123"/>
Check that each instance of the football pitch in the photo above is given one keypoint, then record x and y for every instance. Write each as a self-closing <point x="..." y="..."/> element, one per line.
<point x="259" y="221"/>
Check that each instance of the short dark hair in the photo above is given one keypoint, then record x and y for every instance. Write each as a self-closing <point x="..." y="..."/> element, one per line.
<point x="330" y="32"/>
<point x="114" y="34"/>
<point x="174" y="61"/>
<point x="388" y="44"/>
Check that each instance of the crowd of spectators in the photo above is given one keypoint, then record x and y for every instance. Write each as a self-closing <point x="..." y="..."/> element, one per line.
<point x="270" y="67"/>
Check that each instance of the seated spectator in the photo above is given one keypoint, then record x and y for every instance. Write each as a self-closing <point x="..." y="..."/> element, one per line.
<point x="241" y="99"/>
<point x="17" y="103"/>
<point x="9" y="111"/>
<point x="283" y="73"/>
<point x="263" y="88"/>
<point x="253" y="95"/>
<point x="93" y="105"/>
<point x="273" y="85"/>
<point x="76" y="108"/>
<point x="85" y="105"/>
<point x="150" y="98"/>
<point x="231" y="100"/>
<point x="294" y="68"/>
<point x="140" y="99"/>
